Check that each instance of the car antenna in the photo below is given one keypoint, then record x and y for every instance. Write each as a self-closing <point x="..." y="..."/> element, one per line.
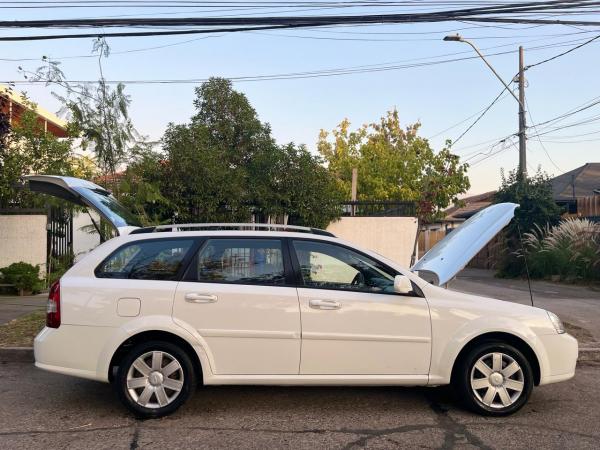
<point x="526" y="265"/>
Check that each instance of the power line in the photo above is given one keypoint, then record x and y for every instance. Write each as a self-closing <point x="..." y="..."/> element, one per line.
<point x="539" y="140"/>
<point x="237" y="24"/>
<point x="381" y="67"/>
<point x="480" y="116"/>
<point x="563" y="53"/>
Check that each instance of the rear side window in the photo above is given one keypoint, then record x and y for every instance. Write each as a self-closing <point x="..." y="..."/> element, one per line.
<point x="244" y="261"/>
<point x="147" y="260"/>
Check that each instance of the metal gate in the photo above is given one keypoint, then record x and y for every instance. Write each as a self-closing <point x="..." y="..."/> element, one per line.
<point x="60" y="238"/>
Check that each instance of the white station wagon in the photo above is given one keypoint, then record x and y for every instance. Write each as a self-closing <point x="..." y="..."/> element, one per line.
<point x="157" y="311"/>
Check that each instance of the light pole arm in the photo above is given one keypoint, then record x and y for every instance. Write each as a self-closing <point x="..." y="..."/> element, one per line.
<point x="494" y="71"/>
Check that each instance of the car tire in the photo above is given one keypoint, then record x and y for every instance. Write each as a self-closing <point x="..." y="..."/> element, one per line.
<point x="494" y="379"/>
<point x="155" y="378"/>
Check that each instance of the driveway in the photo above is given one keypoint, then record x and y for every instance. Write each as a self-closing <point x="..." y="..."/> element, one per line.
<point x="44" y="410"/>
<point x="577" y="305"/>
<point x="14" y="307"/>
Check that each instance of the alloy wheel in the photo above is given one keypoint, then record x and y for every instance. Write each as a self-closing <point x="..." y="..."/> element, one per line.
<point x="155" y="379"/>
<point x="497" y="380"/>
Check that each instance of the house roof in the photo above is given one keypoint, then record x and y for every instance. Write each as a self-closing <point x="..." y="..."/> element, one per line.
<point x="59" y="125"/>
<point x="472" y="205"/>
<point x="579" y="182"/>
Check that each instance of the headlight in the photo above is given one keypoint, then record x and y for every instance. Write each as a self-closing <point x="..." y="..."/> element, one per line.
<point x="558" y="325"/>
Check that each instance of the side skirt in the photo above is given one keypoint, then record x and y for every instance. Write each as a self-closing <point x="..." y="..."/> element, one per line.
<point x="319" y="380"/>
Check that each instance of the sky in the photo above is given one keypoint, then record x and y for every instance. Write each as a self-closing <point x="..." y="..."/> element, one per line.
<point x="445" y="98"/>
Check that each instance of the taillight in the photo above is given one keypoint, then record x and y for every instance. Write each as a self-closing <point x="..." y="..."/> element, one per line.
<point x="53" y="306"/>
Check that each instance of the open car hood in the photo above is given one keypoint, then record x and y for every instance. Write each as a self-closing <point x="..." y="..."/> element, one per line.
<point x="86" y="193"/>
<point x="450" y="255"/>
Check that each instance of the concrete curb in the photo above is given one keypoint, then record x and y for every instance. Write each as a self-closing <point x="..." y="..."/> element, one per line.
<point x="25" y="354"/>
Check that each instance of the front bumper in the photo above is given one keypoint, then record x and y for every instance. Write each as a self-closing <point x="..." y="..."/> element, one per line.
<point x="561" y="351"/>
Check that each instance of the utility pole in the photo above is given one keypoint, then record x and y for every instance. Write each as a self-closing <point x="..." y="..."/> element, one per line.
<point x="522" y="123"/>
<point x="520" y="99"/>
<point x="354" y="190"/>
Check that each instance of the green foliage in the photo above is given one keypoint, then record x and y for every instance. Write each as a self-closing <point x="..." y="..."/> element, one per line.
<point x="225" y="166"/>
<point x="23" y="276"/>
<point x="569" y="250"/>
<point x="24" y="149"/>
<point x="99" y="114"/>
<point x="58" y="266"/>
<point x="537" y="210"/>
<point x="140" y="188"/>
<point x="394" y="163"/>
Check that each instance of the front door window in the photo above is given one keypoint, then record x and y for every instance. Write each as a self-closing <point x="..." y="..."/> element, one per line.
<point x="327" y="266"/>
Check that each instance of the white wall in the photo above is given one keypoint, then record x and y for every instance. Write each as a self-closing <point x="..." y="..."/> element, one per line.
<point x="23" y="238"/>
<point x="83" y="241"/>
<point x="392" y="237"/>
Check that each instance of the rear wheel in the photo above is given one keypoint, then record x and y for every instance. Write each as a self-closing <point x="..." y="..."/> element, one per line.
<point x="494" y="379"/>
<point x="155" y="378"/>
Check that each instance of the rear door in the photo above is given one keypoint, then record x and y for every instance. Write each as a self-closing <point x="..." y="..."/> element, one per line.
<point x="138" y="279"/>
<point x="237" y="295"/>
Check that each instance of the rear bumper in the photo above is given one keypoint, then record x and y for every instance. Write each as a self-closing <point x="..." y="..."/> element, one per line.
<point x="561" y="357"/>
<point x="71" y="350"/>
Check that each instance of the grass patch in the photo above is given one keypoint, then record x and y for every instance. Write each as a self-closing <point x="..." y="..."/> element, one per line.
<point x="20" y="332"/>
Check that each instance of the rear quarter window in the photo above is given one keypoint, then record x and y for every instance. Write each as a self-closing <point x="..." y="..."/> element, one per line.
<point x="159" y="259"/>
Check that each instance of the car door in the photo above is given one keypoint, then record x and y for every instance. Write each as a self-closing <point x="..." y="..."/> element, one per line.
<point x="237" y="296"/>
<point x="138" y="279"/>
<point x="352" y="321"/>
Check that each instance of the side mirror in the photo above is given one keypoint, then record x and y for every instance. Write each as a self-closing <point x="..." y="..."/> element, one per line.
<point x="402" y="285"/>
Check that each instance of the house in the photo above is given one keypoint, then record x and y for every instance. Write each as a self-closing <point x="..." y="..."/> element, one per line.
<point x="31" y="235"/>
<point x="470" y="206"/>
<point x="576" y="184"/>
<point x="15" y="103"/>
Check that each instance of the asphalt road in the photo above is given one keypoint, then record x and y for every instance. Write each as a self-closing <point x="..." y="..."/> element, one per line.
<point x="13" y="307"/>
<point x="44" y="410"/>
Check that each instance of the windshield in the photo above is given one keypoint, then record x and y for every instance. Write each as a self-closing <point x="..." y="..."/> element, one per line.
<point x="102" y="200"/>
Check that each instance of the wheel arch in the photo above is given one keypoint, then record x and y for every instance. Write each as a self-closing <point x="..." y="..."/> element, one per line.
<point x="506" y="338"/>
<point x="149" y="335"/>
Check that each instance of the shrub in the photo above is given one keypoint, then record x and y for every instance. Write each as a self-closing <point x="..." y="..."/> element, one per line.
<point x="23" y="276"/>
<point x="569" y="250"/>
<point x="537" y="209"/>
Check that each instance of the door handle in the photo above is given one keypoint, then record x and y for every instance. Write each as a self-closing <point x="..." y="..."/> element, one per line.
<point x="324" y="304"/>
<point x="194" y="297"/>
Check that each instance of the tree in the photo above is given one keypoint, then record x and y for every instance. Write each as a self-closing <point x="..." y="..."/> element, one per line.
<point x="225" y="166"/>
<point x="140" y="187"/>
<point x="25" y="148"/>
<point x="99" y="115"/>
<point x="394" y="163"/>
<point x="537" y="208"/>
<point x="311" y="195"/>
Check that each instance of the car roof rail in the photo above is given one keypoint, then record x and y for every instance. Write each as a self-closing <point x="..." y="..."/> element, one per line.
<point x="232" y="226"/>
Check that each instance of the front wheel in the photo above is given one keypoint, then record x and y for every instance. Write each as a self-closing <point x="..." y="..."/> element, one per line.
<point x="155" y="378"/>
<point x="494" y="379"/>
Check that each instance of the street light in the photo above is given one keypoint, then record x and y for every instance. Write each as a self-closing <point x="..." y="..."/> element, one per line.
<point x="520" y="99"/>
<point x="458" y="38"/>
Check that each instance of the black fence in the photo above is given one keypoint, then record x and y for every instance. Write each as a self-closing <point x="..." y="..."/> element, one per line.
<point x="385" y="208"/>
<point x="60" y="236"/>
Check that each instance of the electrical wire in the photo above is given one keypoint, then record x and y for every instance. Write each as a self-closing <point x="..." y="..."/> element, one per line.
<point x="480" y="116"/>
<point x="539" y="139"/>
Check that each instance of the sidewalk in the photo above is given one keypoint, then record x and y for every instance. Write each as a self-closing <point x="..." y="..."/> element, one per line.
<point x="14" y="307"/>
<point x="577" y="305"/>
